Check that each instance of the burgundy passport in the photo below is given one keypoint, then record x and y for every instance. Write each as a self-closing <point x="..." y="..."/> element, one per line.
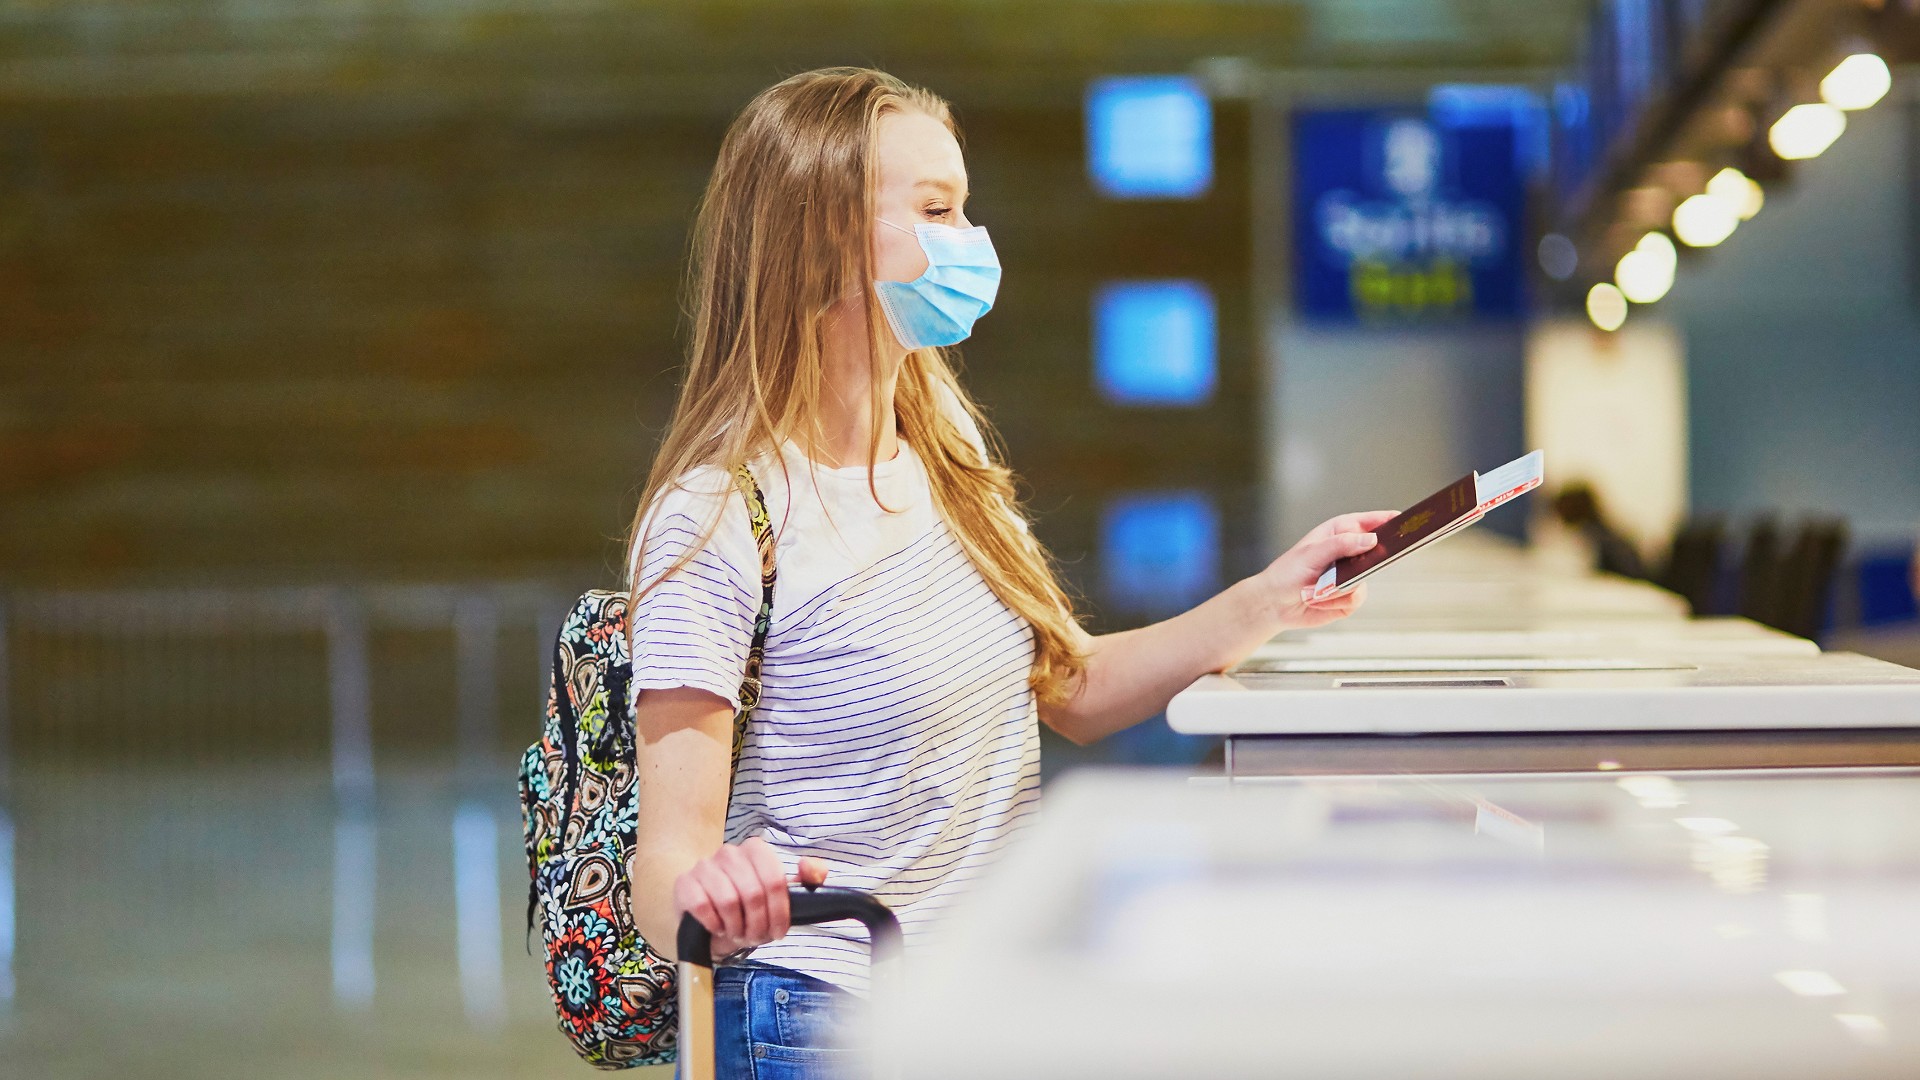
<point x="1417" y="524"/>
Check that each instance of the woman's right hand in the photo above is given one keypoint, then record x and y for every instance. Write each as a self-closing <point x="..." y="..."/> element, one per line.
<point x="739" y="893"/>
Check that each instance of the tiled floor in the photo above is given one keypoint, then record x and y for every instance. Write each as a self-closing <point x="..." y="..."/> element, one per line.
<point x="231" y="923"/>
<point x="245" y="921"/>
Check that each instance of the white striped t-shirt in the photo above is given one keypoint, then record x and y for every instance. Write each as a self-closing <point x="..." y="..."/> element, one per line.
<point x="896" y="736"/>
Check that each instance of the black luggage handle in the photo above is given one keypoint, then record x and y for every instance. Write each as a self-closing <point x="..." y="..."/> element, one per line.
<point x="808" y="906"/>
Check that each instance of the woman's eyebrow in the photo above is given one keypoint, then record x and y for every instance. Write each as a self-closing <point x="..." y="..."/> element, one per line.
<point x="947" y="186"/>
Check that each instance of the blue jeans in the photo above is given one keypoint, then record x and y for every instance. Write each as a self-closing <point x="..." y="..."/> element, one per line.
<point x="773" y="1023"/>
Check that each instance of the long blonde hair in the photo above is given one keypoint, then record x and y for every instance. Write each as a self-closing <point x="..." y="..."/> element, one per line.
<point x="783" y="232"/>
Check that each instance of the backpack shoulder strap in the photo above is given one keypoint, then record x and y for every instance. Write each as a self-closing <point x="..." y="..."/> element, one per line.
<point x="762" y="525"/>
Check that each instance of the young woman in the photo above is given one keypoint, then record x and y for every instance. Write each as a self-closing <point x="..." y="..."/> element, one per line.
<point x="917" y="630"/>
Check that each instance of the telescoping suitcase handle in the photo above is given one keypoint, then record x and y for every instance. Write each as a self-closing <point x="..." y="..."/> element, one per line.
<point x="806" y="906"/>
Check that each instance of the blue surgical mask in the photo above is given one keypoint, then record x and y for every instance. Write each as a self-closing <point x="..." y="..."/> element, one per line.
<point x="939" y="307"/>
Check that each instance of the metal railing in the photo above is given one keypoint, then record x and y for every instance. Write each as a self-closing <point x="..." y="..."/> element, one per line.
<point x="191" y="686"/>
<point x="207" y="675"/>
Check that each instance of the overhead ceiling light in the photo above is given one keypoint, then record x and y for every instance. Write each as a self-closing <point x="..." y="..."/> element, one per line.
<point x="1639" y="278"/>
<point x="1703" y="221"/>
<point x="1659" y="247"/>
<point x="1646" y="273"/>
<point x="1859" y="81"/>
<point x="1606" y="306"/>
<point x="1806" y="131"/>
<point x="1739" y="191"/>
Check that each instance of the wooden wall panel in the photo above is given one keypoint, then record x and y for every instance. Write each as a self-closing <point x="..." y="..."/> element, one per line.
<point x="340" y="340"/>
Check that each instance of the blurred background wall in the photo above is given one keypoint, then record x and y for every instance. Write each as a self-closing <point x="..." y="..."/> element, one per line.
<point x="335" y="336"/>
<point x="380" y="301"/>
<point x="386" y="294"/>
<point x="1803" y="343"/>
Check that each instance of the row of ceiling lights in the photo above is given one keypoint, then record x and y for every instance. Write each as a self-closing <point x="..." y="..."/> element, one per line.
<point x="1645" y="274"/>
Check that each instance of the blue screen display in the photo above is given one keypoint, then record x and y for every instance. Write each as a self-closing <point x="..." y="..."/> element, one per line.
<point x="1149" y="137"/>
<point x="1155" y="342"/>
<point x="1159" y="551"/>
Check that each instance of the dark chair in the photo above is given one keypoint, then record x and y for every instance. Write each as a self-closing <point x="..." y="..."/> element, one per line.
<point x="1807" y="576"/>
<point x="1760" y="564"/>
<point x="1693" y="562"/>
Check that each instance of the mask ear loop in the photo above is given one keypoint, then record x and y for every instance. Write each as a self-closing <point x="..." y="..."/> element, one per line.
<point x="902" y="228"/>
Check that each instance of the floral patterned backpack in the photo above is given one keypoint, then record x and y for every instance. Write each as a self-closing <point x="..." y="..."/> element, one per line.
<point x="614" y="992"/>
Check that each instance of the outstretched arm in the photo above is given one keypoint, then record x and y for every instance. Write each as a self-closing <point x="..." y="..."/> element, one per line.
<point x="1132" y="675"/>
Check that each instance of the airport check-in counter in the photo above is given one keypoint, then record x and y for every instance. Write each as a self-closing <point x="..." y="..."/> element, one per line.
<point x="1451" y="667"/>
<point x="1713" y="636"/>
<point x="1758" y="925"/>
<point x="1657" y="707"/>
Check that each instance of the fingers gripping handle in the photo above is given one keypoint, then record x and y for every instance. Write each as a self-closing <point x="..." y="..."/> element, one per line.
<point x="807" y="906"/>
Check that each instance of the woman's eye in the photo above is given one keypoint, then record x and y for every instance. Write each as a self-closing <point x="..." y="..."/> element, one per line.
<point x="937" y="211"/>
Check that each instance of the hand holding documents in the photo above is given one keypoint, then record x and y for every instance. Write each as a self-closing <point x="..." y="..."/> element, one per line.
<point x="1446" y="511"/>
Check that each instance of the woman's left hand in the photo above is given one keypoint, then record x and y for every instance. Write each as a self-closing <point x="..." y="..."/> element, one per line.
<point x="1292" y="575"/>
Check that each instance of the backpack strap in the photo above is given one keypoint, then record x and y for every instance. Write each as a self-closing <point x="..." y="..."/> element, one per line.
<point x="618" y="729"/>
<point x="762" y="525"/>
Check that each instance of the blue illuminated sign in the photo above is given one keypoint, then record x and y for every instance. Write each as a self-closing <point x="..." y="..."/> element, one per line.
<point x="1155" y="342"/>
<point x="1467" y="105"/>
<point x="1149" y="137"/>
<point x="1159" y="551"/>
<point x="1402" y="216"/>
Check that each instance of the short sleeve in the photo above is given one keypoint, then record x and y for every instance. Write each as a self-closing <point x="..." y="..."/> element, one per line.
<point x="695" y="627"/>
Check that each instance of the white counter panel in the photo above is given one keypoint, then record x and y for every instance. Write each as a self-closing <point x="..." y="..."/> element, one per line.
<point x="1612" y="926"/>
<point x="1729" y="636"/>
<point x="1667" y="692"/>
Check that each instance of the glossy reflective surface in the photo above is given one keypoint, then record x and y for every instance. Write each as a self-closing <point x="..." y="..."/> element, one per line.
<point x="1614" y="925"/>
